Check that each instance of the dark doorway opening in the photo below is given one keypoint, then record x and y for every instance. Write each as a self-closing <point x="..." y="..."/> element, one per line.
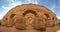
<point x="47" y="16"/>
<point x="12" y="15"/>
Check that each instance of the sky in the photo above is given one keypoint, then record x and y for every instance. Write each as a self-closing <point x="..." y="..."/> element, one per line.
<point x="6" y="5"/>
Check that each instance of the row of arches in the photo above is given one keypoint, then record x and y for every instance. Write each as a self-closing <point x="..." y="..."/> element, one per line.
<point x="33" y="12"/>
<point x="48" y="18"/>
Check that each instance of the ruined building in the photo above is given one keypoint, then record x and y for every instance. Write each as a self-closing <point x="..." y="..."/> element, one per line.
<point x="33" y="15"/>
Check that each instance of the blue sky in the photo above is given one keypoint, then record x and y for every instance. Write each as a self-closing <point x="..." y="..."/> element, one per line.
<point x="6" y="5"/>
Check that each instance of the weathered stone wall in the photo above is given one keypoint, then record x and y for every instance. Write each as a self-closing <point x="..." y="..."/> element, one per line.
<point x="16" y="16"/>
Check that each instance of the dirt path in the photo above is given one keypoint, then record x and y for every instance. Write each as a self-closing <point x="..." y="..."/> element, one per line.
<point x="29" y="29"/>
<point x="12" y="29"/>
<point x="53" y="29"/>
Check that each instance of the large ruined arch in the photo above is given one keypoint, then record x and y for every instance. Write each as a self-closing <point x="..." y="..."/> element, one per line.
<point x="30" y="16"/>
<point x="22" y="10"/>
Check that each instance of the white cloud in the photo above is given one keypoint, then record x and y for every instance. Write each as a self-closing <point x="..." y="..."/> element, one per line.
<point x="3" y="12"/>
<point x="51" y="9"/>
<point x="53" y="6"/>
<point x="6" y="8"/>
<point x="15" y="4"/>
<point x="33" y="1"/>
<point x="58" y="17"/>
<point x="11" y="4"/>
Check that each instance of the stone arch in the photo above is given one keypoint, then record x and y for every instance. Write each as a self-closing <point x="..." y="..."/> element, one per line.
<point x="15" y="12"/>
<point x="11" y="20"/>
<point x="47" y="16"/>
<point x="48" y="20"/>
<point x="29" y="11"/>
<point x="12" y="15"/>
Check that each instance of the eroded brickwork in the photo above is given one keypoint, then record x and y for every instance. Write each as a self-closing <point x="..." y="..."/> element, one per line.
<point x="34" y="15"/>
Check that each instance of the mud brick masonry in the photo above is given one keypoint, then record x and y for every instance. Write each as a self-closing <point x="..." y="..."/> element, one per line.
<point x="36" y="16"/>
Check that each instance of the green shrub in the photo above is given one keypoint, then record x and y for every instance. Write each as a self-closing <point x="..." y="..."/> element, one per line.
<point x="0" y="22"/>
<point x="53" y="25"/>
<point x="42" y="29"/>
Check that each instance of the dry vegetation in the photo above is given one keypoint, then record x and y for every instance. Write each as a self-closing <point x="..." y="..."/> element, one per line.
<point x="59" y="21"/>
<point x="0" y="22"/>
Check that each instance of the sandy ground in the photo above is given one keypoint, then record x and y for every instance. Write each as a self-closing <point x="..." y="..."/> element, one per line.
<point x="29" y="29"/>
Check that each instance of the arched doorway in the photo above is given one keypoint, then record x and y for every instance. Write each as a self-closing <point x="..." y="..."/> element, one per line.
<point x="47" y="19"/>
<point x="30" y="17"/>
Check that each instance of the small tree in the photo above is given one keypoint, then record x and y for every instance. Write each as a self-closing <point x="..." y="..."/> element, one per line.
<point x="59" y="21"/>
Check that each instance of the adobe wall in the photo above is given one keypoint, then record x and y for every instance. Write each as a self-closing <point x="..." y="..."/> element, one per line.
<point x="43" y="15"/>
